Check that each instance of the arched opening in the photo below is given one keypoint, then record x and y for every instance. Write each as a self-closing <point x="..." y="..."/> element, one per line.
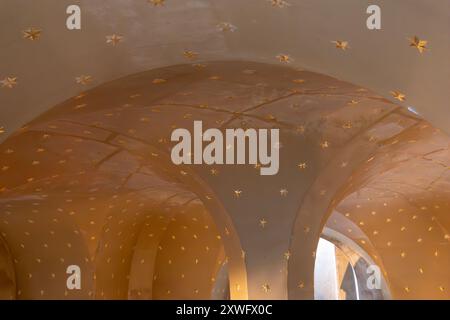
<point x="344" y="271"/>
<point x="178" y="254"/>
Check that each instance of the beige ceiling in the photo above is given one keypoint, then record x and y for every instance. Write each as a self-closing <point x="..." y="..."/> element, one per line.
<point x="156" y="36"/>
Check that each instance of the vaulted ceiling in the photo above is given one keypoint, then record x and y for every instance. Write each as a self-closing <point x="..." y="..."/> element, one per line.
<point x="156" y="36"/>
<point x="85" y="172"/>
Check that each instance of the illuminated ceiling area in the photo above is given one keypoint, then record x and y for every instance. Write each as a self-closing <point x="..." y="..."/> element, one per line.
<point x="91" y="183"/>
<point x="363" y="188"/>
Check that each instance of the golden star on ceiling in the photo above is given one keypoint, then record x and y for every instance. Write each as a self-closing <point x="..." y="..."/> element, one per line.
<point x="324" y="144"/>
<point x="226" y="27"/>
<point x="114" y="39"/>
<point x="279" y="3"/>
<point x="300" y="129"/>
<point x="159" y="81"/>
<point x="398" y="95"/>
<point x="287" y="255"/>
<point x="347" y="125"/>
<point x="83" y="79"/>
<point x="237" y="193"/>
<point x="191" y="55"/>
<point x="420" y="45"/>
<point x="284" y="58"/>
<point x="341" y="44"/>
<point x="262" y="223"/>
<point x="284" y="192"/>
<point x="157" y="2"/>
<point x="9" y="82"/>
<point x="266" y="287"/>
<point x="302" y="165"/>
<point x="32" y="34"/>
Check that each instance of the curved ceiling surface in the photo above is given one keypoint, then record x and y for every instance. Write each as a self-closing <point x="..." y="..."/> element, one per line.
<point x="95" y="173"/>
<point x="86" y="176"/>
<point x="157" y="35"/>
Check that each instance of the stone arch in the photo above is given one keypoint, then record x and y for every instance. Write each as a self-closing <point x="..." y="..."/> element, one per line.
<point x="361" y="177"/>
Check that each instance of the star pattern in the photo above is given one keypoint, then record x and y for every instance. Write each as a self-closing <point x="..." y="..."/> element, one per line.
<point x="9" y="82"/>
<point x="190" y="239"/>
<point x="341" y="44"/>
<point x="32" y="34"/>
<point x="262" y="223"/>
<point x="398" y="95"/>
<point x="157" y="3"/>
<point x="191" y="55"/>
<point x="420" y="45"/>
<point x="284" y="58"/>
<point x="279" y="3"/>
<point x="226" y="27"/>
<point x="114" y="39"/>
<point x="84" y="79"/>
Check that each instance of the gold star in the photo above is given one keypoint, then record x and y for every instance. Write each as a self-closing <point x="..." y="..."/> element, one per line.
<point x="302" y="165"/>
<point x="301" y="285"/>
<point x="340" y="44"/>
<point x="398" y="95"/>
<point x="2" y="130"/>
<point x="324" y="144"/>
<point x="158" y="81"/>
<point x="214" y="172"/>
<point x="113" y="39"/>
<point x="9" y="82"/>
<point x="279" y="3"/>
<point x="284" y="192"/>
<point x="226" y="26"/>
<point x="347" y="125"/>
<point x="84" y="80"/>
<point x="300" y="129"/>
<point x="287" y="255"/>
<point x="32" y="34"/>
<point x="266" y="287"/>
<point x="283" y="58"/>
<point x="191" y="55"/>
<point x="420" y="45"/>
<point x="262" y="223"/>
<point x="237" y="193"/>
<point x="157" y="2"/>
